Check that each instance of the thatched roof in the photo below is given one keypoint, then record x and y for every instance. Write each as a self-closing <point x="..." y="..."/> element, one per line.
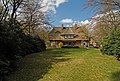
<point x="58" y="33"/>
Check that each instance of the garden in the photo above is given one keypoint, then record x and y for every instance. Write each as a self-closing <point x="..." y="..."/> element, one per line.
<point x="67" y="64"/>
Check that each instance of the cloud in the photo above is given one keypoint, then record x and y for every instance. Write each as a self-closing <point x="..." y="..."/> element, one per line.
<point x="71" y="22"/>
<point x="48" y="5"/>
<point x="51" y="5"/>
<point x="58" y="2"/>
<point x="86" y="22"/>
<point x="66" y="20"/>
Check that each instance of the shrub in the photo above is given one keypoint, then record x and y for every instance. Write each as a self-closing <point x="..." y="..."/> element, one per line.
<point x="14" y="44"/>
<point x="106" y="48"/>
<point x="60" y="44"/>
<point x="111" y="44"/>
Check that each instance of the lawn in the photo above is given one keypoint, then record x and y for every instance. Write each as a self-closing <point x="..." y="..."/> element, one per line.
<point x="73" y="64"/>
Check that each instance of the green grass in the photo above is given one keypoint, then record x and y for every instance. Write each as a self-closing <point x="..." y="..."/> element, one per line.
<point x="73" y="64"/>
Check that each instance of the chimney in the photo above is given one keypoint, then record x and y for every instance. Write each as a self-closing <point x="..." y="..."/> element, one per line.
<point x="63" y="26"/>
<point x="76" y="26"/>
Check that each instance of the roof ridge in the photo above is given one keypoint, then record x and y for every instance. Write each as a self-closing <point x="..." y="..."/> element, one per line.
<point x="68" y="30"/>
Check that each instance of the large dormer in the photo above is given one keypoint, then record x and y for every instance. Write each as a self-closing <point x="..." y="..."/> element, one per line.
<point x="68" y="33"/>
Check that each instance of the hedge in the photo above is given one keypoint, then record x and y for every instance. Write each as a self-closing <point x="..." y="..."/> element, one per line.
<point x="14" y="44"/>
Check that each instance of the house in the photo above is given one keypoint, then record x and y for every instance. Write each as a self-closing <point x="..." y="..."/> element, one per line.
<point x="69" y="36"/>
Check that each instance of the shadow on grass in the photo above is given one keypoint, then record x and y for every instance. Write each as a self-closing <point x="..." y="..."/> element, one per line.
<point x="33" y="67"/>
<point x="116" y="76"/>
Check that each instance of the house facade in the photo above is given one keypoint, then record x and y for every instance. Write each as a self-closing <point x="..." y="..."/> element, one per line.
<point x="69" y="36"/>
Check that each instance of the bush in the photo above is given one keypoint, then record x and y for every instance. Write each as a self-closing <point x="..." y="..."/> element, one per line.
<point x="106" y="48"/>
<point x="14" y="44"/>
<point x="111" y="44"/>
<point x="60" y="44"/>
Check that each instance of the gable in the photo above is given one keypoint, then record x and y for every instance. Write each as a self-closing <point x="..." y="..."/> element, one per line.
<point x="59" y="32"/>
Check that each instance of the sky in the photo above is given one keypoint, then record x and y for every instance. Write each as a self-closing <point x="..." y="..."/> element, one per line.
<point x="68" y="12"/>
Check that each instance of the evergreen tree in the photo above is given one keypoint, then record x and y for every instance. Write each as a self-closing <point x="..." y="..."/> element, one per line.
<point x="111" y="44"/>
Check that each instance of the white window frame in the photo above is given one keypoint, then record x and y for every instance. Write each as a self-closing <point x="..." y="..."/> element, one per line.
<point x="68" y="36"/>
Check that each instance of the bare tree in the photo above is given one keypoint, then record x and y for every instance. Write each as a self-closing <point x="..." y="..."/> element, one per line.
<point x="28" y="12"/>
<point x="109" y="17"/>
<point x="15" y="5"/>
<point x="9" y="8"/>
<point x="32" y="16"/>
<point x="100" y="30"/>
<point x="109" y="8"/>
<point x="104" y="5"/>
<point x="4" y="9"/>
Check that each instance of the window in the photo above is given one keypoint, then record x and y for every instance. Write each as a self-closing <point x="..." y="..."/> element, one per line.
<point x="57" y="33"/>
<point x="68" y="36"/>
<point x="71" y="36"/>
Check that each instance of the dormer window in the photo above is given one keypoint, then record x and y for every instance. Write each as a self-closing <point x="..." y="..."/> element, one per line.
<point x="68" y="36"/>
<point x="57" y="33"/>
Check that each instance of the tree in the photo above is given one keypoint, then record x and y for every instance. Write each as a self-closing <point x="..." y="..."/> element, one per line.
<point x="14" y="43"/>
<point x="115" y="43"/>
<point x="109" y="17"/>
<point x="9" y="8"/>
<point x="100" y="30"/>
<point x="32" y="17"/>
<point x="111" y="44"/>
<point x="43" y="34"/>
<point x="109" y="25"/>
<point x="104" y="5"/>
<point x="110" y="10"/>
